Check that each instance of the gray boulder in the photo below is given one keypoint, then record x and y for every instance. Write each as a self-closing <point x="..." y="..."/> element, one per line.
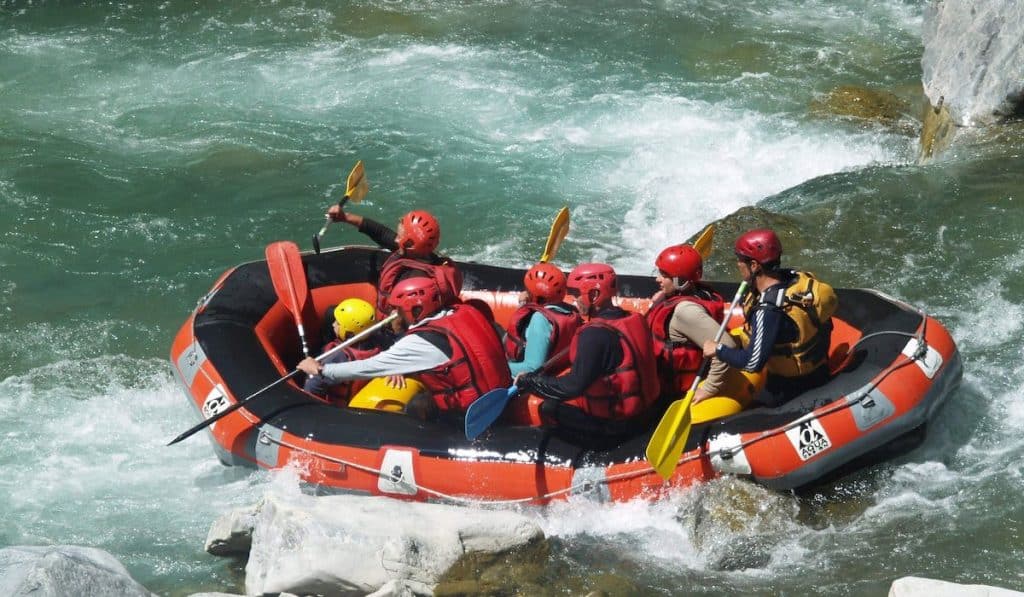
<point x="973" y="62"/>
<point x="352" y="545"/>
<point x="231" y="534"/>
<point x="64" y="570"/>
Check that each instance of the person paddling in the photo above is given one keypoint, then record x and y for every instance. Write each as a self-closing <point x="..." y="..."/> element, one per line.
<point x="452" y="350"/>
<point x="350" y="316"/>
<point x="788" y="321"/>
<point x="613" y="379"/>
<point x="685" y="313"/>
<point x="413" y="249"/>
<point x="544" y="326"/>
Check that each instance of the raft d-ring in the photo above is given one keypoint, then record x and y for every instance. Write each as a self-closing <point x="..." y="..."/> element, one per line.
<point x="264" y="438"/>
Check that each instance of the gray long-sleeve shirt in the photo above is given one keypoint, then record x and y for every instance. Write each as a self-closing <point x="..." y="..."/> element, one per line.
<point x="412" y="353"/>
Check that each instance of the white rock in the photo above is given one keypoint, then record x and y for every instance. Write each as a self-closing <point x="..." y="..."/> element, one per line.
<point x="62" y="570"/>
<point x="913" y="586"/>
<point x="974" y="58"/>
<point x="351" y="545"/>
<point x="231" y="534"/>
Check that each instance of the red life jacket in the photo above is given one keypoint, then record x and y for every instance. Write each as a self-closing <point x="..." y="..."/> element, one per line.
<point x="477" y="364"/>
<point x="633" y="386"/>
<point x="678" y="362"/>
<point x="343" y="392"/>
<point x="563" y="328"/>
<point x="445" y="274"/>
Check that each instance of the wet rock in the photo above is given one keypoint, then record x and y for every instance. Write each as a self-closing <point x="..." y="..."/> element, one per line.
<point x="736" y="524"/>
<point x="231" y="534"/>
<point x="863" y="104"/>
<point x="912" y="586"/>
<point x="64" y="570"/>
<point x="351" y="545"/>
<point x="973" y="61"/>
<point x="937" y="131"/>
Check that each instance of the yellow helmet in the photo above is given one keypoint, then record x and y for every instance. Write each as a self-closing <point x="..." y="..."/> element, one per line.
<point x="353" y="316"/>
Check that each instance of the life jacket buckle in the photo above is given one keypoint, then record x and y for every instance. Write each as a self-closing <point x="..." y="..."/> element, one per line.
<point x="804" y="300"/>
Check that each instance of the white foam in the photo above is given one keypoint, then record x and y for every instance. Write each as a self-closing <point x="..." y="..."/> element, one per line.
<point x="89" y="455"/>
<point x="690" y="162"/>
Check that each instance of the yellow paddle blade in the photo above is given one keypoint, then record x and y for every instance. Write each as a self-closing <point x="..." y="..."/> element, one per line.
<point x="669" y="439"/>
<point x="357" y="186"/>
<point x="704" y="241"/>
<point x="559" y="228"/>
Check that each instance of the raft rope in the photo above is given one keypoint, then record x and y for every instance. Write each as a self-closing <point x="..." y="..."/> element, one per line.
<point x="592" y="485"/>
<point x="584" y="487"/>
<point x="922" y="350"/>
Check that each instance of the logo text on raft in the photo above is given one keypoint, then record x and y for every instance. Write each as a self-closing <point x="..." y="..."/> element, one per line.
<point x="808" y="439"/>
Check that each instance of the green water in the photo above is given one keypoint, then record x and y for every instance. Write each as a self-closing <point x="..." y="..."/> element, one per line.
<point x="147" y="147"/>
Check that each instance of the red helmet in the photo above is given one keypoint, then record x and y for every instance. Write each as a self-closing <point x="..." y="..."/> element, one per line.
<point x="416" y="297"/>
<point x="681" y="262"/>
<point x="419" y="233"/>
<point x="761" y="245"/>
<point x="545" y="283"/>
<point x="587" y="278"/>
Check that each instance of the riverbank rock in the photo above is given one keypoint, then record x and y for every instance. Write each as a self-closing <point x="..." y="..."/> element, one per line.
<point x="912" y="586"/>
<point x="973" y="61"/>
<point x="352" y="545"/>
<point x="61" y="570"/>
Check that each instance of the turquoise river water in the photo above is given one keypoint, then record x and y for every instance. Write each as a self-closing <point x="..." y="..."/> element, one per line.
<point x="146" y="147"/>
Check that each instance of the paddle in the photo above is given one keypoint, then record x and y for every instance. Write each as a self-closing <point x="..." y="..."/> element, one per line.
<point x="355" y="190"/>
<point x="354" y="339"/>
<point x="669" y="438"/>
<point x="703" y="242"/>
<point x="559" y="228"/>
<point x="487" y="408"/>
<point x="289" y="281"/>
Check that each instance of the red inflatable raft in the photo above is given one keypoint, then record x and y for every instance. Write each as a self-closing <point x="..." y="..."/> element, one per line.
<point x="893" y="368"/>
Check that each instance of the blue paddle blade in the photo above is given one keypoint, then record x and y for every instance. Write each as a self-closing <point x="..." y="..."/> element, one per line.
<point x="486" y="409"/>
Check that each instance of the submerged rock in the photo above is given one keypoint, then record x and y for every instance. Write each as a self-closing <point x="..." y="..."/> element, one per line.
<point x="64" y="570"/>
<point x="973" y="62"/>
<point x="736" y="524"/>
<point x="352" y="545"/>
<point x="863" y="104"/>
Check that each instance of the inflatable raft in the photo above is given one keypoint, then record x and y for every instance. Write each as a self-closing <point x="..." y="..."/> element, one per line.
<point x="893" y="368"/>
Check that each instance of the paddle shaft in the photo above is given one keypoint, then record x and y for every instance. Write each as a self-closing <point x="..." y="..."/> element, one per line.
<point x="341" y="204"/>
<point x="353" y="340"/>
<point x="706" y="364"/>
